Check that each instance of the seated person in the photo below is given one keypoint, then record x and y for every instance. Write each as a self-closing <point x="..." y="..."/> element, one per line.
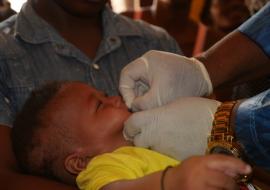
<point x="5" y="10"/>
<point x="69" y="129"/>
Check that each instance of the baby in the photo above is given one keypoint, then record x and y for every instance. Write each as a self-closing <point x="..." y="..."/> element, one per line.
<point x="69" y="131"/>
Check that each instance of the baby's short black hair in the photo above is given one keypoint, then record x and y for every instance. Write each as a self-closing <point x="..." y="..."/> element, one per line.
<point x="33" y="156"/>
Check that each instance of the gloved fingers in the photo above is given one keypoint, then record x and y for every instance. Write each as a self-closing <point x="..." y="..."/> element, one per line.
<point x="141" y="140"/>
<point x="205" y="75"/>
<point x="132" y="75"/>
<point x="141" y="88"/>
<point x="147" y="101"/>
<point x="128" y="95"/>
<point x="130" y="131"/>
<point x="132" y="126"/>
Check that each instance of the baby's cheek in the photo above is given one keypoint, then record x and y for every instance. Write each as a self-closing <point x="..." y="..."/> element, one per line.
<point x="121" y="115"/>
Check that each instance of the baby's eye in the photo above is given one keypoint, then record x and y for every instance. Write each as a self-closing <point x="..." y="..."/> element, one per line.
<point x="99" y="105"/>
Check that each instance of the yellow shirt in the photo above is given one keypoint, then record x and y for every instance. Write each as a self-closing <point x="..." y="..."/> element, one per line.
<point x="124" y="163"/>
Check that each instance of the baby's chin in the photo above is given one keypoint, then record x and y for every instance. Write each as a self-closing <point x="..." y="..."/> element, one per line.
<point x="122" y="143"/>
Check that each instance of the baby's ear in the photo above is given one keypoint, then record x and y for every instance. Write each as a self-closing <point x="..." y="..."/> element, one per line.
<point x="75" y="163"/>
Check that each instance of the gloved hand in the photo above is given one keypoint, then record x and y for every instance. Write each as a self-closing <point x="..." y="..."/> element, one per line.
<point x="179" y="129"/>
<point x="158" y="77"/>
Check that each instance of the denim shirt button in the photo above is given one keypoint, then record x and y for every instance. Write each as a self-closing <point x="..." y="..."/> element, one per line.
<point x="113" y="39"/>
<point x="7" y="100"/>
<point x="95" y="66"/>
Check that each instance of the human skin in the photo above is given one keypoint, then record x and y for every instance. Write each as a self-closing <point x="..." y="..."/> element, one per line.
<point x="96" y="119"/>
<point x="93" y="125"/>
<point x="229" y="65"/>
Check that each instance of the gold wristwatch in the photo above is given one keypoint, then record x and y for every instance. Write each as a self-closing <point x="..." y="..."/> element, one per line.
<point x="222" y="139"/>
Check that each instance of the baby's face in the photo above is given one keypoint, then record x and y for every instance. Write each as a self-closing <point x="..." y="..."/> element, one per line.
<point x="96" y="119"/>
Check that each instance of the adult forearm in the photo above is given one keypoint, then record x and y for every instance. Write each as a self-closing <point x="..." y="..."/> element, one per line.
<point x="235" y="59"/>
<point x="11" y="179"/>
<point x="198" y="172"/>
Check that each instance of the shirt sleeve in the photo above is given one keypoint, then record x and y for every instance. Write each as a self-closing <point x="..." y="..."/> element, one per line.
<point x="253" y="128"/>
<point x="257" y="28"/>
<point x="108" y="168"/>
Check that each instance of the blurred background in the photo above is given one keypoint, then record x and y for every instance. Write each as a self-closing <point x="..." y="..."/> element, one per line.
<point x="195" y="24"/>
<point x="16" y="4"/>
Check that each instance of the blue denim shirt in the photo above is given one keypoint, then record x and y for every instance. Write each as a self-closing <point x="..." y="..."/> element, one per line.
<point x="257" y="28"/>
<point x="253" y="128"/>
<point x="32" y="52"/>
<point x="253" y="114"/>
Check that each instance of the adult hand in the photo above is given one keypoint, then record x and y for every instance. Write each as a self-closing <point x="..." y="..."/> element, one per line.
<point x="158" y="77"/>
<point x="215" y="172"/>
<point x="178" y="129"/>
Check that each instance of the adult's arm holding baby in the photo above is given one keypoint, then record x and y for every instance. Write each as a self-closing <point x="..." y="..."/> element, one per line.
<point x="198" y="172"/>
<point x="10" y="176"/>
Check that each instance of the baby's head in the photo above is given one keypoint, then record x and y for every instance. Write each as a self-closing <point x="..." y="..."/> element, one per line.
<point x="63" y="125"/>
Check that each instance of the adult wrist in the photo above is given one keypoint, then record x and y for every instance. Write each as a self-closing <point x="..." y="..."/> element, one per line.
<point x="172" y="181"/>
<point x="162" y="178"/>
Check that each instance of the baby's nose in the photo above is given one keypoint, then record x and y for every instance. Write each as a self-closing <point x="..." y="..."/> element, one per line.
<point x="114" y="101"/>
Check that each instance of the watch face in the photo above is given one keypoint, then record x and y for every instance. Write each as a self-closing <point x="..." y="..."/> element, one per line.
<point x="221" y="150"/>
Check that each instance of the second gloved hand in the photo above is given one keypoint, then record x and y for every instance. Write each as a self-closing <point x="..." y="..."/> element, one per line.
<point x="157" y="77"/>
<point x="178" y="129"/>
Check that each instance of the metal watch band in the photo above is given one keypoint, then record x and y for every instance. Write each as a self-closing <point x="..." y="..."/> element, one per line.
<point x="223" y="134"/>
<point x="221" y="127"/>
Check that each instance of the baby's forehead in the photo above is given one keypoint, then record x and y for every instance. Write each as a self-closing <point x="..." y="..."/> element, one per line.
<point x="69" y="100"/>
<point x="75" y="96"/>
<point x="74" y="89"/>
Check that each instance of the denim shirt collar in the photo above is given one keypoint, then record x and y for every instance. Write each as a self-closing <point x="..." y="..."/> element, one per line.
<point x="33" y="29"/>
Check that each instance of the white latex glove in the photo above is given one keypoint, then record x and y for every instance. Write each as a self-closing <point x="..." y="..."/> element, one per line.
<point x="179" y="129"/>
<point x="158" y="77"/>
